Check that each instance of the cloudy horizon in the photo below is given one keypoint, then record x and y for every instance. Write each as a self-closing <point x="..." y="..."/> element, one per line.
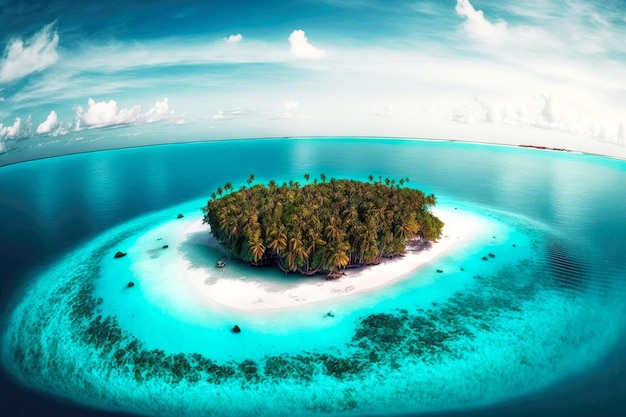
<point x="540" y="73"/>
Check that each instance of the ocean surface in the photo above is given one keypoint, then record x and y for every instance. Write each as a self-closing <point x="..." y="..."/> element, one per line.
<point x="537" y="327"/>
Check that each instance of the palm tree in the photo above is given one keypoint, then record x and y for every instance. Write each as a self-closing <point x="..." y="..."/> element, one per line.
<point x="323" y="177"/>
<point x="297" y="248"/>
<point x="386" y="240"/>
<point x="407" y="227"/>
<point x="222" y="214"/>
<point x="307" y="176"/>
<point x="338" y="258"/>
<point x="277" y="239"/>
<point x="256" y="248"/>
<point x="370" y="243"/>
<point x="250" y="179"/>
<point x="250" y="222"/>
<point x="295" y="255"/>
<point x="315" y="241"/>
<point x="333" y="230"/>
<point x="290" y="260"/>
<point x="228" y="186"/>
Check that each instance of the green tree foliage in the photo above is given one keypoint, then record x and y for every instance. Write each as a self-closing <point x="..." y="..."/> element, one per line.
<point x="321" y="227"/>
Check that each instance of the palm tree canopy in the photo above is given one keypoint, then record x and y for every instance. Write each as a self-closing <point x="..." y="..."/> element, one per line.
<point x="321" y="227"/>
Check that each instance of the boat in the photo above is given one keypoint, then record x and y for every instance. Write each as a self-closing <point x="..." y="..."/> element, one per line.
<point x="221" y="263"/>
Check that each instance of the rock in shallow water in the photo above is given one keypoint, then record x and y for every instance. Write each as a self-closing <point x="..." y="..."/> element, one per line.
<point x="120" y="255"/>
<point x="235" y="329"/>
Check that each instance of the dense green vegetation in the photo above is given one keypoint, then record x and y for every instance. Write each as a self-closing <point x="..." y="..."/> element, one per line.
<point x="321" y="227"/>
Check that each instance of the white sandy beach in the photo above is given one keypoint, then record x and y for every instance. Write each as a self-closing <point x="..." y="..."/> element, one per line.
<point x="260" y="293"/>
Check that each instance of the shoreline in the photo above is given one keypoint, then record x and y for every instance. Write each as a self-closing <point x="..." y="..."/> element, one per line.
<point x="227" y="288"/>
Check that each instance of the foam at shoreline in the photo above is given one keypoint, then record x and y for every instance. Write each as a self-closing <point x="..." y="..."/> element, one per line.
<point x="258" y="294"/>
<point x="180" y="291"/>
<point x="183" y="282"/>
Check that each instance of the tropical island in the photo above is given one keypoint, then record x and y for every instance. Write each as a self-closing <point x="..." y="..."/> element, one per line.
<point x="321" y="227"/>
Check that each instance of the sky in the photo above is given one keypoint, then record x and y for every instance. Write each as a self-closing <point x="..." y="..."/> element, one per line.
<point x="76" y="75"/>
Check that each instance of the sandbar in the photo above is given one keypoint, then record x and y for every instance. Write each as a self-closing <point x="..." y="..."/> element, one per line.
<point x="259" y="293"/>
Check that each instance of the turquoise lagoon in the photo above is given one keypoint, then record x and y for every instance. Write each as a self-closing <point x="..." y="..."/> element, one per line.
<point x="545" y="309"/>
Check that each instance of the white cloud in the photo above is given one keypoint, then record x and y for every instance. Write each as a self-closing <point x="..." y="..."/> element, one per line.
<point x="234" y="38"/>
<point x="219" y="115"/>
<point x="543" y="113"/>
<point x="301" y="48"/>
<point x="11" y="131"/>
<point x="25" y="57"/>
<point x="230" y="114"/>
<point x="47" y="126"/>
<point x="291" y="109"/>
<point x="547" y="117"/>
<point x="106" y="114"/>
<point x="477" y="25"/>
<point x="94" y="56"/>
<point x="159" y="112"/>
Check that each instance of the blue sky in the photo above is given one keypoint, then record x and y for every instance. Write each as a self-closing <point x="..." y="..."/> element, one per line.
<point x="549" y="73"/>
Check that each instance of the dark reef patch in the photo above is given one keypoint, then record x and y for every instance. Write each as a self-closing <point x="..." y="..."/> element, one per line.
<point x="384" y="330"/>
<point x="380" y="341"/>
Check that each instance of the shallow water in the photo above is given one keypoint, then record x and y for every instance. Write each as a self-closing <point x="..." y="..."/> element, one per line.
<point x="541" y="314"/>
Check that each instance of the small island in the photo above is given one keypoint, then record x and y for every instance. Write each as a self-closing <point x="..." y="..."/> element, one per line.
<point x="321" y="227"/>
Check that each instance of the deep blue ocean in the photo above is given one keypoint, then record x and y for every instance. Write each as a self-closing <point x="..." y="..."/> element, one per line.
<point x="540" y="331"/>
